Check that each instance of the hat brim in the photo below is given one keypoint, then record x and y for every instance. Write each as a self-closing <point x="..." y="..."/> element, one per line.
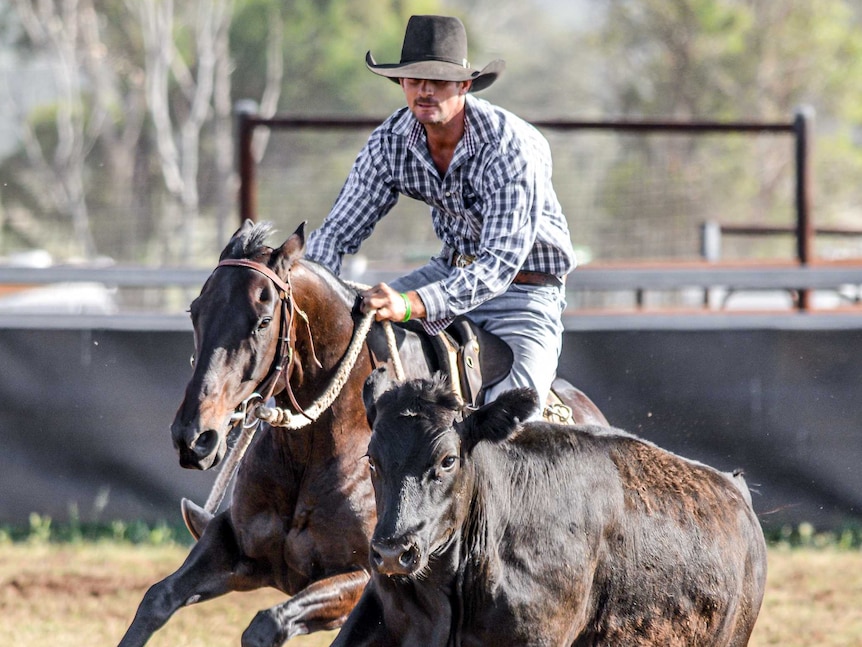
<point x="438" y="71"/>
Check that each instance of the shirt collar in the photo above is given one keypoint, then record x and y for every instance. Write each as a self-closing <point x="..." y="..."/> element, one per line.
<point x="413" y="132"/>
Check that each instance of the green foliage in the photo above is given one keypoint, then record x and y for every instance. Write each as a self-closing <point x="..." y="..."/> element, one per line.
<point x="42" y="530"/>
<point x="700" y="59"/>
<point x="324" y="48"/>
<point x="806" y="536"/>
<point x="741" y="60"/>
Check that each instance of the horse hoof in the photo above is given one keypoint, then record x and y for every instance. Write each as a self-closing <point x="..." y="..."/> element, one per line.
<point x="196" y="517"/>
<point x="263" y="631"/>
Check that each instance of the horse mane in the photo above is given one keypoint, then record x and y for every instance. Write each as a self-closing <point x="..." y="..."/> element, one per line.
<point x="249" y="241"/>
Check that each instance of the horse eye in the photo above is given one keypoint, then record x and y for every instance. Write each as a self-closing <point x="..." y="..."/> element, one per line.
<point x="371" y="465"/>
<point x="264" y="323"/>
<point x="448" y="463"/>
<point x="192" y="360"/>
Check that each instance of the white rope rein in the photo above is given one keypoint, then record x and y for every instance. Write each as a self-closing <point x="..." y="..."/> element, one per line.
<point x="233" y="459"/>
<point x="391" y="344"/>
<point x="277" y="417"/>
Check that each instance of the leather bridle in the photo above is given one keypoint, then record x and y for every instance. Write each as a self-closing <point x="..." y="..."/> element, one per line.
<point x="282" y="363"/>
<point x="282" y="418"/>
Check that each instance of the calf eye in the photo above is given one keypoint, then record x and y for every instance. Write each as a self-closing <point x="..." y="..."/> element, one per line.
<point x="448" y="463"/>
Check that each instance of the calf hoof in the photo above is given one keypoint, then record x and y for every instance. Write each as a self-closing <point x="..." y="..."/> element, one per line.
<point x="264" y="631"/>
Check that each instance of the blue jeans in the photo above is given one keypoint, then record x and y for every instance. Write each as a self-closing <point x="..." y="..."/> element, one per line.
<point x="527" y="317"/>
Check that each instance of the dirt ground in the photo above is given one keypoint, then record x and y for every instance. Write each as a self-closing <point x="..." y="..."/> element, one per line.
<point x="84" y="595"/>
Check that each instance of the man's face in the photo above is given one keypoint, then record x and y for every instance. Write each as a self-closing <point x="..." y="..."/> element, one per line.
<point x="434" y="102"/>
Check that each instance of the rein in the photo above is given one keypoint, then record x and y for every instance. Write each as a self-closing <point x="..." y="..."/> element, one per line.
<point x="277" y="417"/>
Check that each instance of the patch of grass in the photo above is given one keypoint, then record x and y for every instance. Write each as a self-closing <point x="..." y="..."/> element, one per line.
<point x="67" y="595"/>
<point x="80" y="583"/>
<point x="41" y="529"/>
<point x="805" y="535"/>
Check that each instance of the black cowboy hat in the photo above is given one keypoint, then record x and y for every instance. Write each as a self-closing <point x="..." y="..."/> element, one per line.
<point x="435" y="48"/>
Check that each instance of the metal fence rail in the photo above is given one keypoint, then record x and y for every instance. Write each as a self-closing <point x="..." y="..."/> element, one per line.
<point x="633" y="278"/>
<point x="801" y="128"/>
<point x="658" y="277"/>
<point x="636" y="280"/>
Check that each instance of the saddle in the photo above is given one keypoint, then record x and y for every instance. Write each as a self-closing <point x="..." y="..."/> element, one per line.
<point x="473" y="358"/>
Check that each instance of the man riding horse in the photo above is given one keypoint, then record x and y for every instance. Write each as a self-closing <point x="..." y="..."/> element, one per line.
<point x="487" y="176"/>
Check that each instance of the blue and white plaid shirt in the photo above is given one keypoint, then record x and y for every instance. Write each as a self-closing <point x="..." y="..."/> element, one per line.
<point x="495" y="203"/>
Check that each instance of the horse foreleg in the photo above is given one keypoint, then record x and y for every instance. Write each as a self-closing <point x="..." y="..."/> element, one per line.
<point x="322" y="605"/>
<point x="211" y="569"/>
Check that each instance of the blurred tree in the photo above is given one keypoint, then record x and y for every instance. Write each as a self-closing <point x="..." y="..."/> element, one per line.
<point x="324" y="45"/>
<point x="58" y="156"/>
<point x="181" y="64"/>
<point x="551" y="66"/>
<point x="733" y="60"/>
<point x="137" y="142"/>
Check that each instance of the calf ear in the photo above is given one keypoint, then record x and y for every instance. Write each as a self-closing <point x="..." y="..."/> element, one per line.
<point x="497" y="420"/>
<point x="374" y="386"/>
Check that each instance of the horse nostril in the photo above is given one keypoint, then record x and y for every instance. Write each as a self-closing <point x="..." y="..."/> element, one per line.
<point x="205" y="442"/>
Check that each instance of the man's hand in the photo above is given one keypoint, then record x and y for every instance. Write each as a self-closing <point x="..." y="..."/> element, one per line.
<point x="390" y="305"/>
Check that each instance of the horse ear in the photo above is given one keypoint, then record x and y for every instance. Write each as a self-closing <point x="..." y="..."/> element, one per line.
<point x="292" y="249"/>
<point x="374" y="386"/>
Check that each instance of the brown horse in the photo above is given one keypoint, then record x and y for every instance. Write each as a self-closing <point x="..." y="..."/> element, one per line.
<point x="302" y="510"/>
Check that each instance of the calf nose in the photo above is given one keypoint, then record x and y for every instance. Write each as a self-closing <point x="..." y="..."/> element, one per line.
<point x="394" y="557"/>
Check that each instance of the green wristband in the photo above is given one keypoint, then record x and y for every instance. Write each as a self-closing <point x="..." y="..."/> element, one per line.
<point x="407" y="309"/>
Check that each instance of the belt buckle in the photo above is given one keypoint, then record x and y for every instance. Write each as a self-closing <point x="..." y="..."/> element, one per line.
<point x="462" y="260"/>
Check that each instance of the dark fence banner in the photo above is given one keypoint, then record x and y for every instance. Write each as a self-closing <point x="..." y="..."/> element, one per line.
<point x="85" y="415"/>
<point x="785" y="406"/>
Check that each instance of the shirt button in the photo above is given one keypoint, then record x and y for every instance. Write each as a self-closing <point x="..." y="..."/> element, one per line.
<point x="448" y="193"/>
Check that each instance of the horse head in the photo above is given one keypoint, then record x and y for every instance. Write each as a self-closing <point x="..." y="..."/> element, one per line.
<point x="239" y="319"/>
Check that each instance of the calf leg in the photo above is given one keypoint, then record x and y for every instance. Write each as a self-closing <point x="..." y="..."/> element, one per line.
<point x="214" y="566"/>
<point x="322" y="605"/>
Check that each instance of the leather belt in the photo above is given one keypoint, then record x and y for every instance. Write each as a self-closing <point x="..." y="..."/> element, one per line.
<point x="523" y="277"/>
